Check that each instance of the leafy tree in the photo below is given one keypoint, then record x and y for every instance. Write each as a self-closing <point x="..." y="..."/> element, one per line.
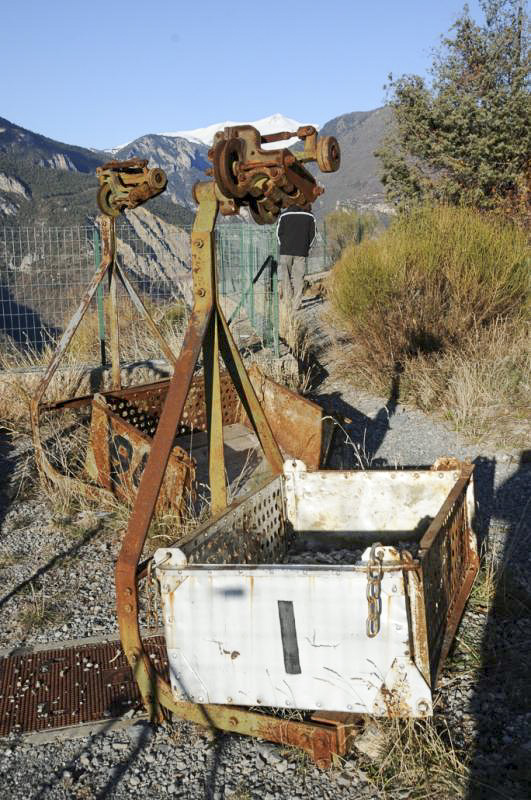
<point x="465" y="136"/>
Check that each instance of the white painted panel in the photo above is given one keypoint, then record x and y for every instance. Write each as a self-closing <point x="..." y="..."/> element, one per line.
<point x="225" y="645"/>
<point x="382" y="501"/>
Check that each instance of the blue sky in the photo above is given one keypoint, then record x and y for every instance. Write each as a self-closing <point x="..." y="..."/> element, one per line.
<point x="103" y="72"/>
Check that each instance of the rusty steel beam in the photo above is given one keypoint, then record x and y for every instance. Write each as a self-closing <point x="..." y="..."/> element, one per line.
<point x="144" y="508"/>
<point x="139" y="305"/>
<point x="204" y="272"/>
<point x="113" y="313"/>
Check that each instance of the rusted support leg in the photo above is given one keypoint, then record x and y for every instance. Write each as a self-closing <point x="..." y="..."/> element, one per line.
<point x="139" y="305"/>
<point x="216" y="460"/>
<point x="113" y="314"/>
<point x="255" y="412"/>
<point x="64" y="342"/>
<point x="143" y="510"/>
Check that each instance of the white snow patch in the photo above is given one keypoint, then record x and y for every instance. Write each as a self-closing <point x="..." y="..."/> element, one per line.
<point x="273" y="124"/>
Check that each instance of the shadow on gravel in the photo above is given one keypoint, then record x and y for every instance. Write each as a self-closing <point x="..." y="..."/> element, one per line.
<point x="89" y="535"/>
<point x="501" y="703"/>
<point x="73" y="785"/>
<point x="364" y="436"/>
<point x="6" y="470"/>
<point x="210" y="783"/>
<point x="118" y="771"/>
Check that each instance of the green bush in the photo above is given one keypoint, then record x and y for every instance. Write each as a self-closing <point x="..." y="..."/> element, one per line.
<point x="421" y="286"/>
<point x="348" y="227"/>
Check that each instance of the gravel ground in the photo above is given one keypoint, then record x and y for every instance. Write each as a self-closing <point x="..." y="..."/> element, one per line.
<point x="57" y="584"/>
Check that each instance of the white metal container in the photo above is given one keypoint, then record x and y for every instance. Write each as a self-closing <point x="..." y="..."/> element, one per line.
<point x="244" y="628"/>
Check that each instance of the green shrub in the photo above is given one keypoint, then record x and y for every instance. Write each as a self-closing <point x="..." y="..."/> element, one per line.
<point x="421" y="286"/>
<point x="348" y="227"/>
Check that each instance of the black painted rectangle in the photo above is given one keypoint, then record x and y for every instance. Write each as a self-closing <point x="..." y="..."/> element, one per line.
<point x="288" y="632"/>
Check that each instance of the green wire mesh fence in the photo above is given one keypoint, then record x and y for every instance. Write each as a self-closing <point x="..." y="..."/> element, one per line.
<point x="44" y="272"/>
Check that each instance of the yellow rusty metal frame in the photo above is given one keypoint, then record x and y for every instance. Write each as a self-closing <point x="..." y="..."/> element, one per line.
<point x="208" y="332"/>
<point x="110" y="267"/>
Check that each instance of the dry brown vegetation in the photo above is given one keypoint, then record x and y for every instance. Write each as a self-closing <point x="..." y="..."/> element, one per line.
<point x="442" y="298"/>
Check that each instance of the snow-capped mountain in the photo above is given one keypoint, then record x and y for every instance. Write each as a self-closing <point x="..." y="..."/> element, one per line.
<point x="273" y="124"/>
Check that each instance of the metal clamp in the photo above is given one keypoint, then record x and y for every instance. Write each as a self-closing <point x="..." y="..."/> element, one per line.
<point x="374" y="590"/>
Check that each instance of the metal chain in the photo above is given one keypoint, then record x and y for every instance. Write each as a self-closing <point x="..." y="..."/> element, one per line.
<point x="374" y="589"/>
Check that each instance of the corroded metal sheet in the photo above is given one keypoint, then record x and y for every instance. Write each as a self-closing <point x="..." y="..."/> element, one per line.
<point x="296" y="422"/>
<point x="289" y="637"/>
<point x="368" y="501"/>
<point x="118" y="452"/>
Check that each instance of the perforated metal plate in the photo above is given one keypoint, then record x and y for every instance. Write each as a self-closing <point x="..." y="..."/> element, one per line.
<point x="252" y="532"/>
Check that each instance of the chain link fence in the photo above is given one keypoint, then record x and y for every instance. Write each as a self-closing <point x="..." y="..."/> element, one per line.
<point x="44" y="272"/>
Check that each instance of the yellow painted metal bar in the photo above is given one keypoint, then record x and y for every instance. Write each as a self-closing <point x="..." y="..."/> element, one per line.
<point x="113" y="312"/>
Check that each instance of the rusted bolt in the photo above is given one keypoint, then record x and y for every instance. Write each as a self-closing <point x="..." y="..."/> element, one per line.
<point x="128" y="607"/>
<point x="199" y="243"/>
<point x="233" y="721"/>
<point x="129" y="591"/>
<point x="422" y="707"/>
<point x="201" y="293"/>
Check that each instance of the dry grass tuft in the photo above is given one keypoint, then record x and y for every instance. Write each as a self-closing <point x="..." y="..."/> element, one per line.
<point x="418" y="755"/>
<point x="39" y="610"/>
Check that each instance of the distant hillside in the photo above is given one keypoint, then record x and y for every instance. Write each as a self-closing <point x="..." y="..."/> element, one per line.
<point x="357" y="183"/>
<point x="47" y="182"/>
<point x="183" y="161"/>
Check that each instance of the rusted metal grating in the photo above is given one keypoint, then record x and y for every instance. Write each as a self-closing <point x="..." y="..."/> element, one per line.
<point x="57" y="688"/>
<point x="448" y="565"/>
<point x="251" y="532"/>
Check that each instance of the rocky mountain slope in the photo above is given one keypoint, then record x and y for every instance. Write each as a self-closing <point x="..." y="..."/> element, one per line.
<point x="357" y="183"/>
<point x="43" y="181"/>
<point x="183" y="161"/>
<point x="49" y="182"/>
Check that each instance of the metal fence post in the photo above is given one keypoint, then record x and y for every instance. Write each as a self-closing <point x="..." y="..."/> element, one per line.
<point x="99" y="296"/>
<point x="276" y="344"/>
<point x="250" y="272"/>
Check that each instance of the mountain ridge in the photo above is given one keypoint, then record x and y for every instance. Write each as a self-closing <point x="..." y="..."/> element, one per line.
<point x="25" y="154"/>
